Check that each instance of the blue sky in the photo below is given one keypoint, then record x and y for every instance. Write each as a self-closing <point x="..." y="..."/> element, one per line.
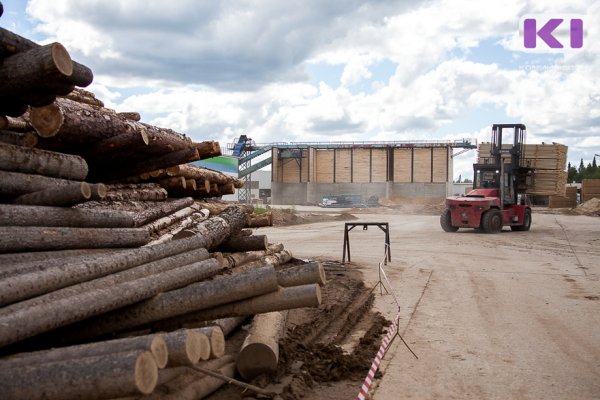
<point x="330" y="71"/>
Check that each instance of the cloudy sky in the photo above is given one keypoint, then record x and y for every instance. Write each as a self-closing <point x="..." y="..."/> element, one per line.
<point x="347" y="70"/>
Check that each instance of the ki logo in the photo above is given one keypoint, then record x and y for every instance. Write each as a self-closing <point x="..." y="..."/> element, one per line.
<point x="549" y="33"/>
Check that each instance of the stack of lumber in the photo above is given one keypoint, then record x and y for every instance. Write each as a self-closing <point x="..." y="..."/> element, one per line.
<point x="569" y="200"/>
<point x="548" y="161"/>
<point x="590" y="188"/>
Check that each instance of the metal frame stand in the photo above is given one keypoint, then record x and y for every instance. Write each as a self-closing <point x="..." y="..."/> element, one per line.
<point x="384" y="226"/>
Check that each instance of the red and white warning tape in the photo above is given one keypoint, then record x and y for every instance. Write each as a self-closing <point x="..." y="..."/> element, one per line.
<point x="385" y="343"/>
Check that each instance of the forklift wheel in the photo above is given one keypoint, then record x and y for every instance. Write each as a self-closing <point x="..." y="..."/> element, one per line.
<point x="491" y="221"/>
<point x="526" y="222"/>
<point x="446" y="221"/>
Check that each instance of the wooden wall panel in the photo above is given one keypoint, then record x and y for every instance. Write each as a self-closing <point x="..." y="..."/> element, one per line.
<point x="402" y="165"/>
<point x="342" y="165"/>
<point x="291" y="170"/>
<point x="422" y="165"/>
<point x="324" y="166"/>
<point x="361" y="164"/>
<point x="379" y="165"/>
<point x="440" y="164"/>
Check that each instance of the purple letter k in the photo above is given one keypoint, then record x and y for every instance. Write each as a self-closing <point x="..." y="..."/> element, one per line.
<point x="530" y="33"/>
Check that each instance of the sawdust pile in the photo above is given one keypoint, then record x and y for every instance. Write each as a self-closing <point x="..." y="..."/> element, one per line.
<point x="590" y="207"/>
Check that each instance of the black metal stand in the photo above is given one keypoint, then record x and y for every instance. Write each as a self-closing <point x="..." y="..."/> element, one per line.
<point x="384" y="226"/>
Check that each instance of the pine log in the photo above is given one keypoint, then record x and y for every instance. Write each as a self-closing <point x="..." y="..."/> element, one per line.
<point x="283" y="299"/>
<point x="132" y="115"/>
<point x="214" y="190"/>
<point x="177" y="302"/>
<point x="99" y="191"/>
<point x="31" y="321"/>
<point x="154" y="343"/>
<point x="20" y="286"/>
<point x="17" y="183"/>
<point x="41" y="216"/>
<point x="11" y="258"/>
<point x="164" y="140"/>
<point x="217" y="208"/>
<point x="125" y="142"/>
<point x="34" y="238"/>
<point x="245" y="243"/>
<point x="217" y="340"/>
<point x="81" y="95"/>
<point x="89" y="266"/>
<point x="226" y="189"/>
<point x="142" y="194"/>
<point x="201" y="388"/>
<point x="47" y="120"/>
<point x="100" y="377"/>
<point x="208" y="149"/>
<point x="185" y="347"/>
<point x="228" y="325"/>
<point x="303" y="274"/>
<point x="173" y="232"/>
<point x="42" y="162"/>
<point x="25" y="139"/>
<point x="174" y="182"/>
<point x="32" y="70"/>
<point x="259" y="353"/>
<point x="191" y="171"/>
<point x="259" y="220"/>
<point x="278" y="258"/>
<point x="65" y="196"/>
<point x="169" y="220"/>
<point x="165" y="209"/>
<point x="20" y="124"/>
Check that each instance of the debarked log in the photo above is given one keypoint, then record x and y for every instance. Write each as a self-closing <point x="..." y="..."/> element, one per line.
<point x="177" y="302"/>
<point x="259" y="353"/>
<point x="33" y="238"/>
<point x="43" y="216"/>
<point x="154" y="343"/>
<point x="100" y="377"/>
<point x="30" y="321"/>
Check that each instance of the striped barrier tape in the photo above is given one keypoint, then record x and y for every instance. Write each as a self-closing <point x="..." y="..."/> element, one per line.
<point x="385" y="343"/>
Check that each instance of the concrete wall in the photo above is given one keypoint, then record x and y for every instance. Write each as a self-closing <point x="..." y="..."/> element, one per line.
<point x="312" y="192"/>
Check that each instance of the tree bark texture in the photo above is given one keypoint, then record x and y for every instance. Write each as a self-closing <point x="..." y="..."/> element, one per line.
<point x="163" y="210"/>
<point x="12" y="258"/>
<point x="41" y="318"/>
<point x="245" y="243"/>
<point x="24" y="139"/>
<point x="173" y="231"/>
<point x="84" y="96"/>
<point x="42" y="162"/>
<point x="259" y="353"/>
<point x="260" y="220"/>
<point x="17" y="183"/>
<point x="185" y="347"/>
<point x="43" y="216"/>
<point x="201" y="388"/>
<point x="25" y="285"/>
<point x="282" y="299"/>
<point x="19" y="124"/>
<point x="124" y="142"/>
<point x="132" y="115"/>
<point x="169" y="220"/>
<point x="154" y="343"/>
<point x="178" y="302"/>
<point x="141" y="194"/>
<point x="65" y="196"/>
<point x="34" y="70"/>
<point x="304" y="274"/>
<point x="100" y="377"/>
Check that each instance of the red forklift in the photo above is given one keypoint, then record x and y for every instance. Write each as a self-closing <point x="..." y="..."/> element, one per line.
<point x="498" y="197"/>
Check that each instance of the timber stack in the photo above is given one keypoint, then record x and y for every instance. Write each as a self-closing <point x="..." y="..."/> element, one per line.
<point x="590" y="188"/>
<point x="549" y="162"/>
<point x="120" y="274"/>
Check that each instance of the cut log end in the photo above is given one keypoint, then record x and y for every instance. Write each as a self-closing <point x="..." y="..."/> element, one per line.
<point x="217" y="343"/>
<point x="257" y="359"/>
<point x="205" y="346"/>
<point x="86" y="190"/>
<point x="146" y="373"/>
<point x="47" y="120"/>
<point x="159" y="350"/>
<point x="62" y="59"/>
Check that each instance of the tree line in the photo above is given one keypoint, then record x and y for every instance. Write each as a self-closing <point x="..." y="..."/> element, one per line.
<point x="591" y="171"/>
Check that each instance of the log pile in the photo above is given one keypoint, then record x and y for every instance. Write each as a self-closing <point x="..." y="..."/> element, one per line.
<point x="548" y="161"/>
<point x="590" y="188"/>
<point x="112" y="274"/>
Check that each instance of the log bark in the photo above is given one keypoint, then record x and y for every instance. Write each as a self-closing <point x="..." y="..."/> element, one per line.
<point x="173" y="232"/>
<point x="282" y="299"/>
<point x="41" y="318"/>
<point x="141" y="194"/>
<point x="190" y="171"/>
<point x="34" y="238"/>
<point x="20" y="124"/>
<point x="185" y="347"/>
<point x="101" y="377"/>
<point x="303" y="274"/>
<point x="66" y="196"/>
<point x="48" y="120"/>
<point x="217" y="208"/>
<point x="177" y="302"/>
<point x="216" y="338"/>
<point x="42" y="216"/>
<point x="174" y="183"/>
<point x="25" y="139"/>
<point x="42" y="162"/>
<point x="278" y="258"/>
<point x="154" y="343"/>
<point x="23" y="285"/>
<point x="91" y="266"/>
<point x="165" y="209"/>
<point x="201" y="388"/>
<point x="234" y="260"/>
<point x="17" y="183"/>
<point x="34" y="70"/>
<point x="132" y="115"/>
<point x="226" y="189"/>
<point x="12" y="258"/>
<point x="245" y="243"/>
<point x="260" y="220"/>
<point x="125" y="142"/>
<point x="81" y="95"/>
<point x="259" y="353"/>
<point x="169" y="220"/>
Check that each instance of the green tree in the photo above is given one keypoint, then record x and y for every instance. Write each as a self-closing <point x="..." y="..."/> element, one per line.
<point x="581" y="167"/>
<point x="594" y="163"/>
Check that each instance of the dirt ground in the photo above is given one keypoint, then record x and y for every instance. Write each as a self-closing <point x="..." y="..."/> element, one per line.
<point x="511" y="315"/>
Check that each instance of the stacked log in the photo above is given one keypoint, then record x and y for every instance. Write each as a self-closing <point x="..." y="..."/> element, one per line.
<point x="548" y="161"/>
<point x="590" y="188"/>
